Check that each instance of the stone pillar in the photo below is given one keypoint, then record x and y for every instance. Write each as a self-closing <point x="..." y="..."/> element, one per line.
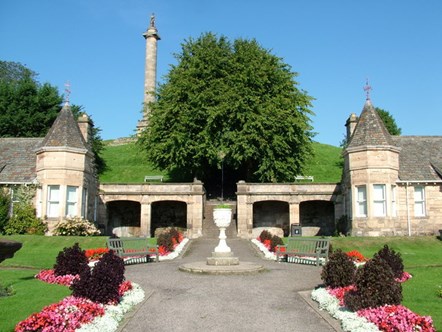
<point x="145" y="221"/>
<point x="294" y="213"/>
<point x="150" y="71"/>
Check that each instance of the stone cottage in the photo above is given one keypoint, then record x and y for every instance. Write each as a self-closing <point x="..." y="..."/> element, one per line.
<point x="391" y="185"/>
<point x="60" y="166"/>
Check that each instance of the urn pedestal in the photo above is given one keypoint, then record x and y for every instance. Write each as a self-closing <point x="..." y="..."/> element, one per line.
<point x="222" y="254"/>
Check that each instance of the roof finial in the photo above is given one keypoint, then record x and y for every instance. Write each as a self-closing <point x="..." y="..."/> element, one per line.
<point x="367" y="89"/>
<point x="152" y="20"/>
<point x="67" y="92"/>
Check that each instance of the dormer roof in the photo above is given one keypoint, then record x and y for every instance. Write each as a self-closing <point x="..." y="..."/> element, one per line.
<point x="370" y="129"/>
<point x="65" y="132"/>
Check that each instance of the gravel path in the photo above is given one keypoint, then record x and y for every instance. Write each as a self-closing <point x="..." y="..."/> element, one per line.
<point x="181" y="301"/>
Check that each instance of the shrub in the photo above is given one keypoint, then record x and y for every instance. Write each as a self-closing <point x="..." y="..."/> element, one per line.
<point x="275" y="241"/>
<point x="265" y="235"/>
<point x="375" y="287"/>
<point x="75" y="226"/>
<point x="169" y="238"/>
<point x="103" y="282"/>
<point x="71" y="260"/>
<point x="5" y="202"/>
<point x="393" y="259"/>
<point x="339" y="271"/>
<point x="24" y="221"/>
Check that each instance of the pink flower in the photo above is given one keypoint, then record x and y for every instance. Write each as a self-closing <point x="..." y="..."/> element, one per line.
<point x="67" y="315"/>
<point x="391" y="318"/>
<point x="405" y="277"/>
<point x="50" y="277"/>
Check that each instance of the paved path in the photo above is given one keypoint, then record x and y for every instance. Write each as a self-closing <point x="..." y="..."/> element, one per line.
<point x="181" y="301"/>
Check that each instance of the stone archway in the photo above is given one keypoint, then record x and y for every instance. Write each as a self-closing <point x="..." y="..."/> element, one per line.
<point x="272" y="214"/>
<point x="319" y="214"/>
<point x="168" y="214"/>
<point x="123" y="218"/>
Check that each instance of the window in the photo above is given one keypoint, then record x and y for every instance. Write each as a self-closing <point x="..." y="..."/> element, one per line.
<point x="419" y="201"/>
<point x="393" y="201"/>
<point x="71" y="201"/>
<point x="379" y="202"/>
<point x="84" y="204"/>
<point x="53" y="201"/>
<point x="361" y="201"/>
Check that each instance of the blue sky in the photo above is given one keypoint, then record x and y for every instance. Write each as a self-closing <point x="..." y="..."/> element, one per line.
<point x="335" y="46"/>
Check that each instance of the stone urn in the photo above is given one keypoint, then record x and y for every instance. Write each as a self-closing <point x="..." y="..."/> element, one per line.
<point x="8" y="248"/>
<point x="222" y="216"/>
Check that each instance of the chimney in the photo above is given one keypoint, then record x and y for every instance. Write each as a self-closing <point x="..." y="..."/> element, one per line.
<point x="85" y="124"/>
<point x="351" y="123"/>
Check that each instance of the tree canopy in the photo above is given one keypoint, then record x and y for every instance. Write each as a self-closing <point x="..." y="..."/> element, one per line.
<point x="229" y="103"/>
<point x="389" y="122"/>
<point x="28" y="108"/>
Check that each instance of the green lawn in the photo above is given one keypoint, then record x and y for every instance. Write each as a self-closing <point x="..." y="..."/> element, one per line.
<point x="126" y="164"/>
<point x="422" y="258"/>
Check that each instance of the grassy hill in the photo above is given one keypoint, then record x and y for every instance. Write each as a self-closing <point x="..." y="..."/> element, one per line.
<point x="126" y="164"/>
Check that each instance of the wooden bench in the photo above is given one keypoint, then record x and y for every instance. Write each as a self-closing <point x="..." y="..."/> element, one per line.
<point x="148" y="178"/>
<point x="305" y="178"/>
<point x="133" y="247"/>
<point x="304" y="247"/>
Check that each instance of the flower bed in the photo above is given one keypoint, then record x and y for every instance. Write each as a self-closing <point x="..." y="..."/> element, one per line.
<point x="99" y="300"/>
<point x="381" y="310"/>
<point x="80" y="314"/>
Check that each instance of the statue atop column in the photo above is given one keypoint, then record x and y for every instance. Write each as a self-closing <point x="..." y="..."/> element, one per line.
<point x="152" y="20"/>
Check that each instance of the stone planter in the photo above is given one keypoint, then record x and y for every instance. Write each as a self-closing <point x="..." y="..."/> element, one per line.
<point x="310" y="230"/>
<point x="222" y="218"/>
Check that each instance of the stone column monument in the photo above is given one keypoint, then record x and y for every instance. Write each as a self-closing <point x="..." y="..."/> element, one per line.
<point x="150" y="71"/>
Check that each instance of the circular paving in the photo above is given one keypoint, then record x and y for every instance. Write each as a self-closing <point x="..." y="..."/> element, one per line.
<point x="203" y="268"/>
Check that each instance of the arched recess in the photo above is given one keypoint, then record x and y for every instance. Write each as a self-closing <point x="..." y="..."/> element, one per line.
<point x="168" y="214"/>
<point x="318" y="214"/>
<point x="123" y="218"/>
<point x="272" y="214"/>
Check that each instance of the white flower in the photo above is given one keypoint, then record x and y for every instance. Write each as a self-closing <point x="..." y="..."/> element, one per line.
<point x="268" y="254"/>
<point x="115" y="313"/>
<point x="350" y="321"/>
<point x="175" y="253"/>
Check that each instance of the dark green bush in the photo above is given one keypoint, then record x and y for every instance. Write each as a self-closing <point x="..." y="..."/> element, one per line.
<point x="24" y="221"/>
<point x="5" y="202"/>
<point x="265" y="235"/>
<point x="169" y="238"/>
<point x="339" y="271"/>
<point x="71" y="260"/>
<point x="393" y="259"/>
<point x="165" y="239"/>
<point x="101" y="284"/>
<point x="375" y="286"/>
<point x="275" y="241"/>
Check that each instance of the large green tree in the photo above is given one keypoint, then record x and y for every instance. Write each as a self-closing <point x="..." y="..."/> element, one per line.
<point x="230" y="104"/>
<point x="27" y="108"/>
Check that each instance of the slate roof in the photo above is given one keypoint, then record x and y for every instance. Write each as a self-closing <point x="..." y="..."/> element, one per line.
<point x="420" y="158"/>
<point x="370" y="129"/>
<point x="65" y="132"/>
<point x="18" y="159"/>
